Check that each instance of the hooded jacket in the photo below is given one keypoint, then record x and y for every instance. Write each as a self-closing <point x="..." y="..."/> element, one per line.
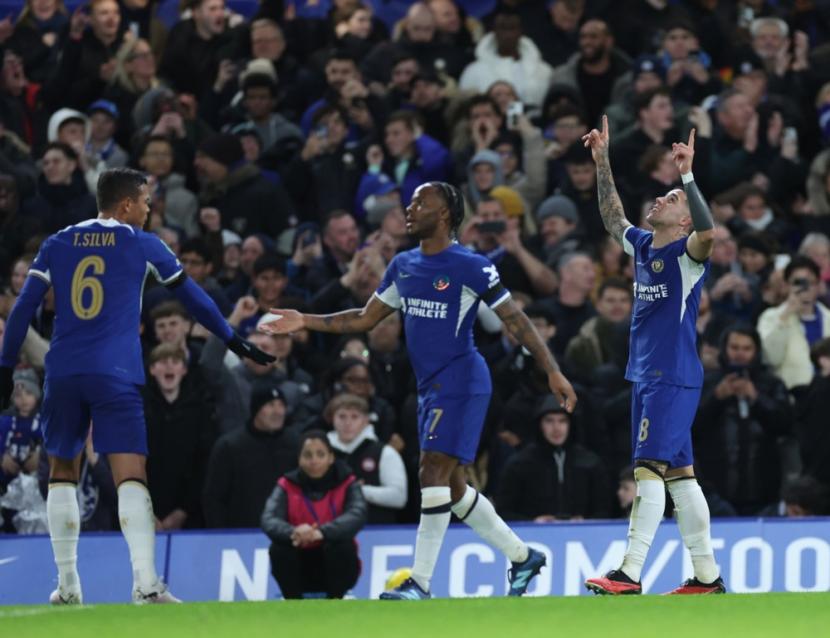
<point x="483" y="157"/>
<point x="530" y="75"/>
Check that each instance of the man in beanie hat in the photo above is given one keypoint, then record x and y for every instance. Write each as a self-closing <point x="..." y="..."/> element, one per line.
<point x="558" y="221"/>
<point x="246" y="463"/>
<point x="247" y="201"/>
<point x="20" y="436"/>
<point x="553" y="478"/>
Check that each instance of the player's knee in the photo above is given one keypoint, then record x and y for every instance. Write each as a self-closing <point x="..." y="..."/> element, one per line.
<point x="434" y="471"/>
<point x="645" y="470"/>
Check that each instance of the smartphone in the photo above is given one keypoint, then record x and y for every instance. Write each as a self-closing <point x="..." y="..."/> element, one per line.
<point x="496" y="227"/>
<point x="514" y="111"/>
<point x="309" y="237"/>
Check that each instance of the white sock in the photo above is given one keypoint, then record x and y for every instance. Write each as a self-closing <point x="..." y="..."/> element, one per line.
<point x="135" y="511"/>
<point x="64" y="518"/>
<point x="692" y="514"/>
<point x="646" y="515"/>
<point x="479" y="513"/>
<point x="435" y="518"/>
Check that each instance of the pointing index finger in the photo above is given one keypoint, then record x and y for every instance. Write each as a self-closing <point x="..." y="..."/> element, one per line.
<point x="691" y="143"/>
<point x="605" y="126"/>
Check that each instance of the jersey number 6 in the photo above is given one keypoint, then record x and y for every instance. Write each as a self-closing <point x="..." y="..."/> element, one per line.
<point x="81" y="282"/>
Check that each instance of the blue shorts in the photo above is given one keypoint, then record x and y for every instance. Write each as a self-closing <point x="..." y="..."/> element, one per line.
<point x="661" y="422"/>
<point x="113" y="405"/>
<point x="451" y="423"/>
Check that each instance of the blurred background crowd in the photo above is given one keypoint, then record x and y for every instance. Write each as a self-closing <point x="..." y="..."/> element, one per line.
<point x="284" y="140"/>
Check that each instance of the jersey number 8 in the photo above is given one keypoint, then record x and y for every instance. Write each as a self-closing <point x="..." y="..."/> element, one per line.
<point x="643" y="434"/>
<point x="81" y="282"/>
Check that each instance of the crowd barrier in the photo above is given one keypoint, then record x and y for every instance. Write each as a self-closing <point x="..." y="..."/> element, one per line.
<point x="755" y="555"/>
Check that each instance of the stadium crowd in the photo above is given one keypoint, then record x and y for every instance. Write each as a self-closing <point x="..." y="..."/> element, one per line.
<point x="284" y="143"/>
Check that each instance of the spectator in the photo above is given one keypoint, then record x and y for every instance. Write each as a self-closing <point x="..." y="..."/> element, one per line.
<point x="518" y="268"/>
<point x="277" y="135"/>
<point x="626" y="491"/>
<point x="20" y="434"/>
<point x="62" y="195"/>
<point x="341" y="237"/>
<point x="688" y="67"/>
<point x="594" y="69"/>
<point x="312" y="518"/>
<point x="558" y="220"/>
<point x="647" y="73"/>
<point x="557" y="35"/>
<point x="812" y="409"/>
<point x="389" y="360"/>
<point x="743" y="415"/>
<point x="269" y="282"/>
<point x="198" y="50"/>
<point x="553" y="478"/>
<point x="181" y="430"/>
<point x="571" y="306"/>
<point x="171" y="325"/>
<point x="484" y="173"/>
<point x="505" y="54"/>
<point x="87" y="63"/>
<point x="15" y="229"/>
<point x="72" y="128"/>
<point x="753" y="213"/>
<point x="523" y="161"/>
<point x="430" y="97"/>
<point x="247" y="201"/>
<point x="379" y="468"/>
<point x="788" y="330"/>
<point x="599" y="353"/>
<point x="23" y="112"/>
<point x="180" y="206"/>
<point x="803" y="496"/>
<point x="250" y="250"/>
<point x="580" y="187"/>
<point x="135" y="73"/>
<point x="101" y="147"/>
<point x="245" y="463"/>
<point x="195" y="257"/>
<point x="39" y="36"/>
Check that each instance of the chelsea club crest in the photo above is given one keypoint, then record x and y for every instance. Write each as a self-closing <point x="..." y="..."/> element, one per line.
<point x="441" y="282"/>
<point x="657" y="265"/>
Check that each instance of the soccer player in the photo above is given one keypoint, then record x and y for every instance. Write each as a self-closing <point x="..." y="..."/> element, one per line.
<point x="437" y="287"/>
<point x="671" y="264"/>
<point x="94" y="366"/>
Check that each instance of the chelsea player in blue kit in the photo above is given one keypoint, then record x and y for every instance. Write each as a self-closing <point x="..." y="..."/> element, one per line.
<point x="94" y="367"/>
<point x="438" y="287"/>
<point x="671" y="264"/>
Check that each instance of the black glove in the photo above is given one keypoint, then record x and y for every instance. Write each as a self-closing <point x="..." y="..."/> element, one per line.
<point x="247" y="350"/>
<point x="6" y="386"/>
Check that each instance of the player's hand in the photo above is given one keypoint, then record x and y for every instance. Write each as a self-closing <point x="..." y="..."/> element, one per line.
<point x="282" y="322"/>
<point x="6" y="386"/>
<point x="246" y="350"/>
<point x="598" y="141"/>
<point x="683" y="154"/>
<point x="562" y="390"/>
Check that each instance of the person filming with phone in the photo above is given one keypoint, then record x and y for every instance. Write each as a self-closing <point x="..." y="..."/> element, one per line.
<point x="490" y="234"/>
<point x="788" y="330"/>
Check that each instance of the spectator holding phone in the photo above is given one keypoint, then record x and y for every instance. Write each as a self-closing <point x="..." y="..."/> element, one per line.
<point x="788" y="330"/>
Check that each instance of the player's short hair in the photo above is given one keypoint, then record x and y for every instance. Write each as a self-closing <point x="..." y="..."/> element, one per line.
<point x="198" y="246"/>
<point x="800" y="262"/>
<point x="117" y="184"/>
<point x="345" y="401"/>
<point x="454" y="200"/>
<point x="615" y="283"/>
<point x="166" y="351"/>
<point x="170" y="308"/>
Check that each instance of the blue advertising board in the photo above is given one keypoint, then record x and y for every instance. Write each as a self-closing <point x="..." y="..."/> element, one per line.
<point x="755" y="555"/>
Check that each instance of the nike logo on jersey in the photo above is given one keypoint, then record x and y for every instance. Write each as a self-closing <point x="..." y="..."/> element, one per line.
<point x="403" y="274"/>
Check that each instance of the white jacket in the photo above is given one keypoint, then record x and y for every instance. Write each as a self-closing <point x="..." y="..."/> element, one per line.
<point x="530" y="75"/>
<point x="785" y="345"/>
<point x="392" y="490"/>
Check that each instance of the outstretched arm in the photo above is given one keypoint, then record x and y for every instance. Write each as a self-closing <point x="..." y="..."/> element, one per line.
<point x="525" y="333"/>
<point x="700" y="242"/>
<point x="610" y="204"/>
<point x="359" y="320"/>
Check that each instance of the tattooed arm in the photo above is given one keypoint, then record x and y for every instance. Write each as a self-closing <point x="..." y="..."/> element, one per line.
<point x="610" y="205"/>
<point x="359" y="320"/>
<point x="518" y="324"/>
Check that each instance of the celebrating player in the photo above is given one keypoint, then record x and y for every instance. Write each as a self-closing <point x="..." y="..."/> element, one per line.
<point x="94" y="367"/>
<point x="437" y="287"/>
<point x="671" y="264"/>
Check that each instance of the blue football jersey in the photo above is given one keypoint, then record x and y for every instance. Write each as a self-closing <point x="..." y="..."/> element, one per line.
<point x="97" y="270"/>
<point x="667" y="287"/>
<point x="439" y="296"/>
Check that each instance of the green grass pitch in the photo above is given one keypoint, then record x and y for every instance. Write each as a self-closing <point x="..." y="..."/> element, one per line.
<point x="730" y="616"/>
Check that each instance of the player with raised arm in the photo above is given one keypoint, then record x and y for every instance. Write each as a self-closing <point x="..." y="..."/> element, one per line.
<point x="437" y="287"/>
<point x="671" y="265"/>
<point x="94" y="367"/>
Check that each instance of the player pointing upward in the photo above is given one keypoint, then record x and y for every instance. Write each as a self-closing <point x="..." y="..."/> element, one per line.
<point x="94" y="366"/>
<point x="437" y="287"/>
<point x="671" y="264"/>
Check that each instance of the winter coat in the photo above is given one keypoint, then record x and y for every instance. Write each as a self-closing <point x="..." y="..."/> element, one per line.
<point x="598" y="343"/>
<point x="180" y="436"/>
<point x="181" y="208"/>
<point x="562" y="482"/>
<point x="190" y="63"/>
<point x="785" y="345"/>
<point x="344" y="526"/>
<point x="243" y="468"/>
<point x="530" y="75"/>
<point x="61" y="205"/>
<point x="813" y="409"/>
<point x="483" y="157"/>
<point x="431" y="162"/>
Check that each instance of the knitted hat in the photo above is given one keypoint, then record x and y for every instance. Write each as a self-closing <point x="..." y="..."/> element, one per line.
<point x="264" y="394"/>
<point x="223" y="148"/>
<point x="28" y="380"/>
<point x="510" y="200"/>
<point x="557" y="206"/>
<point x="548" y="405"/>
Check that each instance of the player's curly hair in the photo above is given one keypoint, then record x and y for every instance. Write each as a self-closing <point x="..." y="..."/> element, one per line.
<point x="454" y="200"/>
